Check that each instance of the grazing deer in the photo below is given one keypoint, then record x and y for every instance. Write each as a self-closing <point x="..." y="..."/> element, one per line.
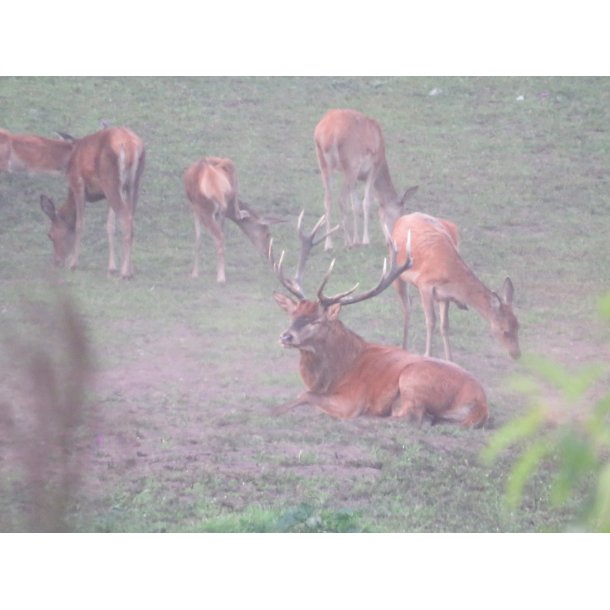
<point x="212" y="188"/>
<point x="441" y="275"/>
<point x="106" y="164"/>
<point x="346" y="376"/>
<point x="30" y="153"/>
<point x="351" y="143"/>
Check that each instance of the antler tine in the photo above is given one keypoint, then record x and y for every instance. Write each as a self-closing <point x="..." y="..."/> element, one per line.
<point x="308" y="242"/>
<point x="327" y="301"/>
<point x="387" y="278"/>
<point x="291" y="285"/>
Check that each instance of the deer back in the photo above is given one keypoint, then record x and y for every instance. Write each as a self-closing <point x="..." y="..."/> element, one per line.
<point x="350" y="141"/>
<point x="434" y="244"/>
<point x="110" y="160"/>
<point x="33" y="153"/>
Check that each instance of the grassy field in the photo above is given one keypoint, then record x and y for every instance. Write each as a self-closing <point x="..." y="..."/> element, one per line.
<point x="176" y="435"/>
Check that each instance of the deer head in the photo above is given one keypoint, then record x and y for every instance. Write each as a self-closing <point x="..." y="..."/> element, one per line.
<point x="62" y="232"/>
<point x="311" y="319"/>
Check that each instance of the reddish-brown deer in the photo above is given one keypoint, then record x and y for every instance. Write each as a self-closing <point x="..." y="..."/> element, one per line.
<point x="441" y="276"/>
<point x="33" y="153"/>
<point x="212" y="188"/>
<point x="351" y="143"/>
<point x="107" y="165"/>
<point x="347" y="376"/>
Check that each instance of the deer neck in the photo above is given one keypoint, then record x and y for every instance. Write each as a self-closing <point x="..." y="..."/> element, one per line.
<point x="39" y="154"/>
<point x="330" y="358"/>
<point x="384" y="187"/>
<point x="67" y="212"/>
<point x="469" y="290"/>
<point x="251" y="226"/>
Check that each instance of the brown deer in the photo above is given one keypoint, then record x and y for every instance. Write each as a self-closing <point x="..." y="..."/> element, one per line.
<point x="107" y="165"/>
<point x="212" y="188"/>
<point x="441" y="276"/>
<point x="347" y="376"/>
<point x="33" y="153"/>
<point x="351" y="143"/>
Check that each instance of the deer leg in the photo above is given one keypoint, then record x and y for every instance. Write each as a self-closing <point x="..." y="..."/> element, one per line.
<point x="427" y="301"/>
<point x="403" y="295"/>
<point x="110" y="231"/>
<point x="345" y="203"/>
<point x="366" y="206"/>
<point x="467" y="415"/>
<point x="356" y="206"/>
<point x="412" y="404"/>
<point x="78" y="194"/>
<point x="443" y="307"/>
<point x="127" y="226"/>
<point x="327" y="184"/>
<point x="335" y="406"/>
<point x="213" y="224"/>
<point x="120" y="204"/>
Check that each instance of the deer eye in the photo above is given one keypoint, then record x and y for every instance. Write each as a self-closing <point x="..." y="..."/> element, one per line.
<point x="306" y="321"/>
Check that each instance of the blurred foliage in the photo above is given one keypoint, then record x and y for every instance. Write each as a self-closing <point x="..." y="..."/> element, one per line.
<point x="47" y="427"/>
<point x="567" y="431"/>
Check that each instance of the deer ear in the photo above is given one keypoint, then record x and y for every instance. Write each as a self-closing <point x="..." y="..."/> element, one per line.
<point x="508" y="291"/>
<point x="332" y="313"/>
<point x="48" y="207"/>
<point x="286" y="303"/>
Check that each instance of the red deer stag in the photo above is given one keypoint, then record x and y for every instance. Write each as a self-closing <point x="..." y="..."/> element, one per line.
<point x="346" y="376"/>
<point x="351" y="143"/>
<point x="33" y="153"/>
<point x="441" y="275"/>
<point x="211" y="187"/>
<point x="107" y="164"/>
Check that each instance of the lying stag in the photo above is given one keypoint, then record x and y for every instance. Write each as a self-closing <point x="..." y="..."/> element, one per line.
<point x="346" y="376"/>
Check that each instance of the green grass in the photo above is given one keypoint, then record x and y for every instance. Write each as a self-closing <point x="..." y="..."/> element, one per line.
<point x="190" y="369"/>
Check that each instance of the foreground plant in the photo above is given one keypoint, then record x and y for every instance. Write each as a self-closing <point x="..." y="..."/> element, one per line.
<point x="44" y="417"/>
<point x="566" y="429"/>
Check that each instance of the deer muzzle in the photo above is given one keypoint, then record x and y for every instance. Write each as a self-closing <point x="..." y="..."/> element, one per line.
<point x="287" y="339"/>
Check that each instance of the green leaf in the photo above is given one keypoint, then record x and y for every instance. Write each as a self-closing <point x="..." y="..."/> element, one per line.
<point x="577" y="461"/>
<point x="513" y="432"/>
<point x="573" y="385"/>
<point x="523" y="470"/>
<point x="601" y="513"/>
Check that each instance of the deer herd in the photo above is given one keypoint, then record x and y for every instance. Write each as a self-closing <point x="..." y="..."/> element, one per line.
<point x="345" y="376"/>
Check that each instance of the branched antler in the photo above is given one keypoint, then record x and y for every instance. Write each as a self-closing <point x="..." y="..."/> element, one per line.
<point x="308" y="242"/>
<point x="291" y="285"/>
<point x="387" y="277"/>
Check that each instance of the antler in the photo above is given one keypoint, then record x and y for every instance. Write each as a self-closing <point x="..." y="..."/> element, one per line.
<point x="291" y="285"/>
<point x="387" y="277"/>
<point x="308" y="242"/>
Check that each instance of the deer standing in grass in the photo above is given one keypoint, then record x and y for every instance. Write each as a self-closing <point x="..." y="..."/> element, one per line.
<point x="347" y="376"/>
<point x="441" y="276"/>
<point x="351" y="143"/>
<point x="105" y="165"/>
<point x="33" y="153"/>
<point x="212" y="188"/>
